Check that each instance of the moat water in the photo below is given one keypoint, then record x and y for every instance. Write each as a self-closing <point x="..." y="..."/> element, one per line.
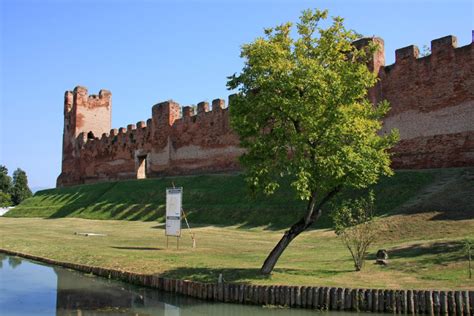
<point x="31" y="288"/>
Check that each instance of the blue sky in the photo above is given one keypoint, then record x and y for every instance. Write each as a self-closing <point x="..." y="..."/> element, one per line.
<point x="148" y="51"/>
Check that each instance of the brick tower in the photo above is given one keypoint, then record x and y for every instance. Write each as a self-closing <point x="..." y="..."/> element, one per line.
<point x="85" y="117"/>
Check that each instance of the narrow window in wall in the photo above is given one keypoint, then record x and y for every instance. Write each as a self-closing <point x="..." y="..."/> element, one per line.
<point x="141" y="168"/>
<point x="90" y="135"/>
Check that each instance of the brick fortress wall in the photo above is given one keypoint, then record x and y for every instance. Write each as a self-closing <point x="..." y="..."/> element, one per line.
<point x="432" y="104"/>
<point x="167" y="144"/>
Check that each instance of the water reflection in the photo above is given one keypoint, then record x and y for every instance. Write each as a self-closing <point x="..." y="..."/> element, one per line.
<point x="29" y="288"/>
<point x="14" y="262"/>
<point x="94" y="296"/>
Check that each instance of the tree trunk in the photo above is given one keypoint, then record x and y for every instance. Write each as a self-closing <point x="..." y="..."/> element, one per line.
<point x="313" y="212"/>
<point x="275" y="254"/>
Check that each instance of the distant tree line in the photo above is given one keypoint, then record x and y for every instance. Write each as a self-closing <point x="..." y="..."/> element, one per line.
<point x="13" y="191"/>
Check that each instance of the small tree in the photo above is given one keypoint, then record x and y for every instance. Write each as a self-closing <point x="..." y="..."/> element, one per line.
<point x="353" y="223"/>
<point x="20" y="190"/>
<point x="302" y="112"/>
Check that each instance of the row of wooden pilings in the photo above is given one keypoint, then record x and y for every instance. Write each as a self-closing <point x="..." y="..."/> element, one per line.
<point x="412" y="302"/>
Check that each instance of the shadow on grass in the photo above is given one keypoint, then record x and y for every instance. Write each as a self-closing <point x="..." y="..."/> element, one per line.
<point x="136" y="248"/>
<point x="217" y="200"/>
<point x="454" y="215"/>
<point x="439" y="253"/>
<point x="240" y="275"/>
<point x="449" y="195"/>
<point x="314" y="272"/>
<point x="209" y="275"/>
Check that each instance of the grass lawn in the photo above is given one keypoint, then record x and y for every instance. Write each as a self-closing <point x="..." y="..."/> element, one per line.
<point x="432" y="259"/>
<point x="423" y="218"/>
<point x="207" y="199"/>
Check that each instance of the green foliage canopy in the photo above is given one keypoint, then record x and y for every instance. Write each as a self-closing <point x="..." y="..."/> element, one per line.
<point x="353" y="212"/>
<point x="5" y="180"/>
<point x="20" y="190"/>
<point x="5" y="199"/>
<point x="5" y="187"/>
<point x="302" y="110"/>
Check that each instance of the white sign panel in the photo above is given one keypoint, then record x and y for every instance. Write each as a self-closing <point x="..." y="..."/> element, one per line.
<point x="173" y="211"/>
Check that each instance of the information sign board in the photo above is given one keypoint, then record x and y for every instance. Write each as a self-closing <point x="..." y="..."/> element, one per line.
<point x="173" y="211"/>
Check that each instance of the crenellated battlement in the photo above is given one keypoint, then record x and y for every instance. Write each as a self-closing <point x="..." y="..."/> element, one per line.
<point x="408" y="53"/>
<point x="165" y="115"/>
<point x="431" y="97"/>
<point x="174" y="140"/>
<point x="443" y="45"/>
<point x="441" y="79"/>
<point x="445" y="48"/>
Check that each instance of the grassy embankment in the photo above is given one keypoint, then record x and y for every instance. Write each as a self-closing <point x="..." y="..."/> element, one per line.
<point x="424" y="216"/>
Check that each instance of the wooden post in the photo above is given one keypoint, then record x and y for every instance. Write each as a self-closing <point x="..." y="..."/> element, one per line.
<point x="293" y="295"/>
<point x="451" y="303"/>
<point x="471" y="301"/>
<point x="398" y="302"/>
<point x="355" y="301"/>
<point x="340" y="299"/>
<point x="302" y="296"/>
<point x="333" y="296"/>
<point x="369" y="298"/>
<point x="467" y="304"/>
<point x="265" y="295"/>
<point x="436" y="303"/>
<point x="283" y="295"/>
<point x="321" y="298"/>
<point x="459" y="304"/>
<point x="422" y="301"/>
<point x="316" y="297"/>
<point x="375" y="301"/>
<point x="220" y="292"/>
<point x="309" y="297"/>
<point x="347" y="299"/>
<point x="404" y="302"/>
<point x="429" y="309"/>
<point x="389" y="301"/>
<point x="271" y="293"/>
<point x="416" y="302"/>
<point x="443" y="296"/>
<point x="241" y="293"/>
<point x="327" y="299"/>
<point x="361" y="299"/>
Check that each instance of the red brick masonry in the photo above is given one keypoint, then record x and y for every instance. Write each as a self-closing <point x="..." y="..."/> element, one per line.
<point x="432" y="100"/>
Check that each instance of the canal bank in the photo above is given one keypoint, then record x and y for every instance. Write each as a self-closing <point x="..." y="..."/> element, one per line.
<point x="32" y="288"/>
<point x="432" y="302"/>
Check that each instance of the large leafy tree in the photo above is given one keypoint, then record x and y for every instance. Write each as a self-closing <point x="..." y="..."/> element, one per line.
<point x="20" y="190"/>
<point x="302" y="112"/>
<point x="5" y="180"/>
<point x="5" y="187"/>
